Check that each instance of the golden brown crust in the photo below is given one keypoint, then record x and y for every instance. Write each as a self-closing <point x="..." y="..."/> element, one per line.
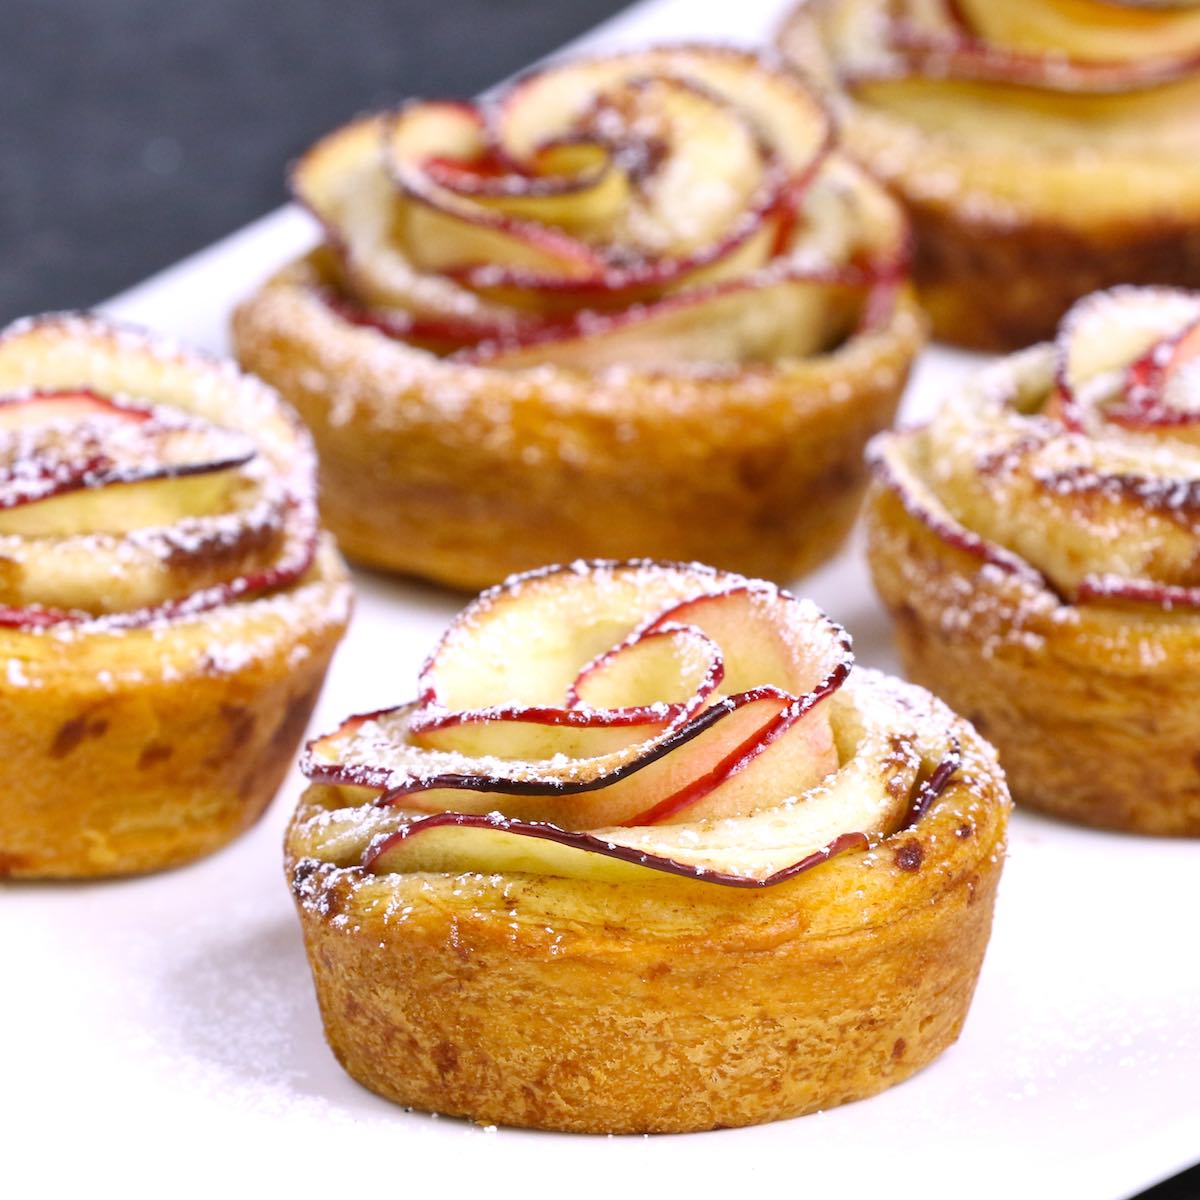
<point x="1008" y="235"/>
<point x="1095" y="711"/>
<point x="142" y="749"/>
<point x="665" y="1007"/>
<point x="467" y="474"/>
<point x="1033" y="272"/>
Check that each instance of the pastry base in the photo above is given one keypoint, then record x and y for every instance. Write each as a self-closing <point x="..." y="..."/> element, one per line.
<point x="145" y="748"/>
<point x="598" y="1008"/>
<point x="1095" y="712"/>
<point x="465" y="475"/>
<point x="1001" y="288"/>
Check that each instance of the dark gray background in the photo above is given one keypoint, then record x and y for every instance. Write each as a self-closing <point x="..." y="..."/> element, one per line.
<point x="133" y="132"/>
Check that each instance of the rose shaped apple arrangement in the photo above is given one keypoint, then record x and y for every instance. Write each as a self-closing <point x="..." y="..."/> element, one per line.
<point x="1045" y="148"/>
<point x="636" y="798"/>
<point x="1038" y="544"/>
<point x="162" y="564"/>
<point x="634" y="305"/>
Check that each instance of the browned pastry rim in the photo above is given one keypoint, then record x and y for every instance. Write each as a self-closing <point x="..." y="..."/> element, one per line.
<point x="667" y="1006"/>
<point x="464" y="474"/>
<point x="131" y="742"/>
<point x="1005" y="243"/>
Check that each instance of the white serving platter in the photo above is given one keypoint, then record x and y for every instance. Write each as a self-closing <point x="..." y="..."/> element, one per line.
<point x="162" y="1033"/>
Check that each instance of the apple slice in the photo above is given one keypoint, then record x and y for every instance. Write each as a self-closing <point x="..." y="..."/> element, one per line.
<point x="1087" y="31"/>
<point x="61" y="453"/>
<point x="575" y="184"/>
<point x="456" y="843"/>
<point x="738" y="322"/>
<point x="868" y="798"/>
<point x="1102" y="348"/>
<point x="343" y="182"/>
<point x="294" y="562"/>
<point x="546" y="103"/>
<point x="441" y="229"/>
<point x="653" y="682"/>
<point x="1162" y="388"/>
<point x="524" y="642"/>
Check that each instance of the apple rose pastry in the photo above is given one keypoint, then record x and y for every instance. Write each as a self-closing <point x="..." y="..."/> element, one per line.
<point x="634" y="306"/>
<point x="645" y="855"/>
<point x="1045" y="149"/>
<point x="1038" y="546"/>
<point x="167" y="605"/>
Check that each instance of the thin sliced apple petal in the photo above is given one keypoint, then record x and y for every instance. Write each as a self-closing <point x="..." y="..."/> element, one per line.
<point x="1100" y="31"/>
<point x="632" y="694"/>
<point x="787" y="759"/>
<point x="1162" y="389"/>
<point x="765" y="635"/>
<point x="95" y="504"/>
<point x="528" y="735"/>
<point x="749" y="245"/>
<point x="786" y="116"/>
<point x="1109" y="589"/>
<point x="460" y="843"/>
<point x="702" y="164"/>
<point x="54" y="447"/>
<point x="668" y="664"/>
<point x="1103" y="335"/>
<point x="441" y="229"/>
<point x="743" y="322"/>
<point x="525" y="641"/>
<point x="772" y="845"/>
<point x="342" y="180"/>
<point x="574" y="185"/>
<point x="72" y="407"/>
<point x="892" y="468"/>
<point x="294" y="562"/>
<point x="972" y="61"/>
<point x="575" y="793"/>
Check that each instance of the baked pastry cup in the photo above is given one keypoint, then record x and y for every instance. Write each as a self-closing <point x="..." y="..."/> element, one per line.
<point x="645" y="814"/>
<point x="167" y="605"/>
<point x="1045" y="149"/>
<point x="1038" y="546"/>
<point x="636" y="306"/>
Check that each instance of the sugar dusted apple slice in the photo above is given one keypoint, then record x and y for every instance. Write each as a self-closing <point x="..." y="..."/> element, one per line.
<point x="696" y="164"/>
<point x="442" y="229"/>
<point x="655" y="779"/>
<point x="459" y="843"/>
<point x="547" y="103"/>
<point x="132" y="493"/>
<point x="575" y="184"/>
<point x="873" y="794"/>
<point x="629" y="695"/>
<point x="1162" y="388"/>
<point x="561" y="619"/>
<point x="529" y="642"/>
<point x="343" y="182"/>
<point x="77" y="462"/>
<point x="1105" y="337"/>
